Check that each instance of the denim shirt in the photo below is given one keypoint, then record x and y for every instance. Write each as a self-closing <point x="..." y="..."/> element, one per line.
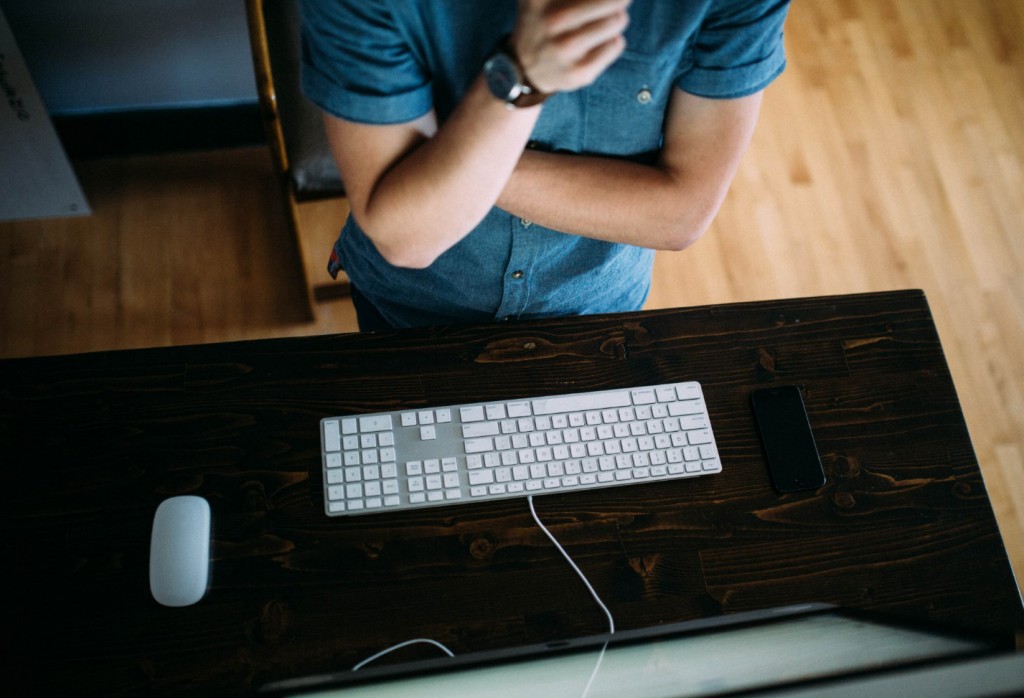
<point x="391" y="61"/>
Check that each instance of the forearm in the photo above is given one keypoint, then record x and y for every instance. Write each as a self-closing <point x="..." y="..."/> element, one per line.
<point x="443" y="188"/>
<point x="610" y="199"/>
<point x="665" y="206"/>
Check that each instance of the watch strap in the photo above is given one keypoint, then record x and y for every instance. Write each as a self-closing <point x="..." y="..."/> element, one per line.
<point x="529" y="95"/>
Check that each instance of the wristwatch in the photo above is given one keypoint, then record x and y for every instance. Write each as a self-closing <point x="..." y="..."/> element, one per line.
<point x="507" y="81"/>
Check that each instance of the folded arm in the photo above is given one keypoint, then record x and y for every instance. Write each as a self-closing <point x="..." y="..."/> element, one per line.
<point x="666" y="206"/>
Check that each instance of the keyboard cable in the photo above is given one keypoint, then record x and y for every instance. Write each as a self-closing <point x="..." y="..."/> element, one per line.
<point x="586" y="582"/>
<point x="611" y="621"/>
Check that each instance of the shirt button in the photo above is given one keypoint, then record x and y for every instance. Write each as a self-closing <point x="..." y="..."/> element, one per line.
<point x="518" y="274"/>
<point x="525" y="223"/>
<point x="644" y="96"/>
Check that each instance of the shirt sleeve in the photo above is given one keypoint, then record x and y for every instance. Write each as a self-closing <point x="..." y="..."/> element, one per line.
<point x="738" y="50"/>
<point x="357" y="65"/>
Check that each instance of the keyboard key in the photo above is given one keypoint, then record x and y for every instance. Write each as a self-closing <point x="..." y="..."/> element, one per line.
<point x="520" y="409"/>
<point x="479" y="445"/>
<point x="477" y="429"/>
<point x="643" y="396"/>
<point x="481" y="477"/>
<point x="472" y="414"/>
<point x="666" y="393"/>
<point x="686" y="407"/>
<point x="332" y="435"/>
<point x="375" y="423"/>
<point x="586" y="401"/>
<point x="693" y="421"/>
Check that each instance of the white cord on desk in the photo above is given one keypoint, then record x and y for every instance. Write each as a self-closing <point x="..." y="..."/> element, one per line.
<point x="611" y="621"/>
<point x="400" y="645"/>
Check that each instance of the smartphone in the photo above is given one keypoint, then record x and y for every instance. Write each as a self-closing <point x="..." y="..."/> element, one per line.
<point x="793" y="459"/>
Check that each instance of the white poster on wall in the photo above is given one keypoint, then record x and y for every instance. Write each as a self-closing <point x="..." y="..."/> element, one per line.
<point x="36" y="178"/>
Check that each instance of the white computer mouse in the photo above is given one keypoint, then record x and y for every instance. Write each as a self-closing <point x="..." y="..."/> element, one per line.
<point x="179" y="551"/>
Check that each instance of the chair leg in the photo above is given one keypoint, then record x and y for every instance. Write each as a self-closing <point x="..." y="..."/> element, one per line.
<point x="315" y="226"/>
<point x="295" y="239"/>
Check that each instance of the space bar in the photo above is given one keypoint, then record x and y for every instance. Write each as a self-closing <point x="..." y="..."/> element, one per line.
<point x="586" y="401"/>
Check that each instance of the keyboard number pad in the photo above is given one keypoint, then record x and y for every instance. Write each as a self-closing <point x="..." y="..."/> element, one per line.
<point x="359" y="464"/>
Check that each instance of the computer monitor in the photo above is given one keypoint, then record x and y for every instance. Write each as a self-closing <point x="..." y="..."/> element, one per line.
<point x="746" y="652"/>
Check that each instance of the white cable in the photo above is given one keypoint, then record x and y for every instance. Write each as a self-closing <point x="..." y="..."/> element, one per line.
<point x="400" y="645"/>
<point x="611" y="621"/>
<point x="586" y="582"/>
<point x="600" y="658"/>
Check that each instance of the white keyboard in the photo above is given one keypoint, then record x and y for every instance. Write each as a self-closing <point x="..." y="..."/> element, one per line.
<point x="407" y="459"/>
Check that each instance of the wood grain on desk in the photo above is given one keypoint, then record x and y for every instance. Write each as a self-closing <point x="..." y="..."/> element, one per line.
<point x="92" y="443"/>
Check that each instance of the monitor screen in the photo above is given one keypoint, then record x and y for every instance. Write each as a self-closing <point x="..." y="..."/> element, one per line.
<point x="709" y="662"/>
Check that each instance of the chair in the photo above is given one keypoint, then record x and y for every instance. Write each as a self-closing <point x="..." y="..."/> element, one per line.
<point x="294" y="125"/>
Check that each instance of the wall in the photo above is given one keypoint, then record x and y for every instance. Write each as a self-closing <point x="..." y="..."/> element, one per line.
<point x="121" y="55"/>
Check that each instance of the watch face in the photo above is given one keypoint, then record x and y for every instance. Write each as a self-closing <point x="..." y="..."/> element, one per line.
<point x="502" y="77"/>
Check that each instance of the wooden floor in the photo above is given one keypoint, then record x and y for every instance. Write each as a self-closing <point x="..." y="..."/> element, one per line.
<point x="889" y="155"/>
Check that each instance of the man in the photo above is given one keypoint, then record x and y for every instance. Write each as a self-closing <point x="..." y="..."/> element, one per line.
<point x="511" y="160"/>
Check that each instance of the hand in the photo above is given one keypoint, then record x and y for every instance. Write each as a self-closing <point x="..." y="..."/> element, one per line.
<point x="563" y="45"/>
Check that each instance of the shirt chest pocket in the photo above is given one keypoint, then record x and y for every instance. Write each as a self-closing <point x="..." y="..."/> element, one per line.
<point x="625" y="107"/>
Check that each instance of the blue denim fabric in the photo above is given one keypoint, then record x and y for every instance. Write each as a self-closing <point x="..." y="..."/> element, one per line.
<point x="391" y="61"/>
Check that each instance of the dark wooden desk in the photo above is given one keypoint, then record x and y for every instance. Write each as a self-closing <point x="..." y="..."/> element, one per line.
<point x="90" y="444"/>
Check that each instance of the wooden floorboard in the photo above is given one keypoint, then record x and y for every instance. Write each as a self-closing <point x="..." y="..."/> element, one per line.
<point x="889" y="155"/>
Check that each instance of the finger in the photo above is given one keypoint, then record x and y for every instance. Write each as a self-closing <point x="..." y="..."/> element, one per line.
<point x="575" y="46"/>
<point x="597" y="61"/>
<point x="566" y="17"/>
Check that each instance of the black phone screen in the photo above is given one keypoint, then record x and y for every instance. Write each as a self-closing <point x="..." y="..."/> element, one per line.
<point x="788" y="442"/>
